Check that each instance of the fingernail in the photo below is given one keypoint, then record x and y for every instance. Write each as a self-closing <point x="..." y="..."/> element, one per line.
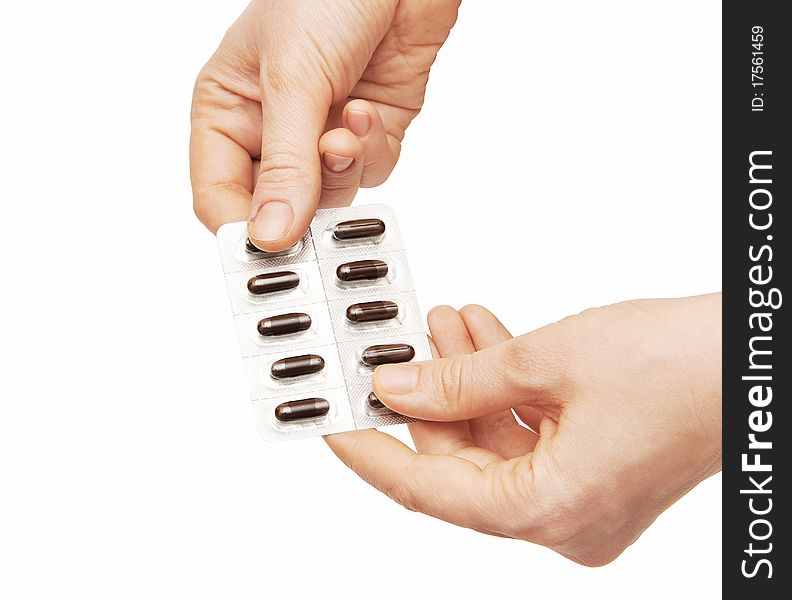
<point x="335" y="162"/>
<point x="396" y="379"/>
<point x="272" y="221"/>
<point x="359" y="122"/>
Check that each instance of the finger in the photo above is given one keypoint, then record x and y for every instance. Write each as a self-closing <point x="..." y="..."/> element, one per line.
<point x="381" y="149"/>
<point x="255" y="172"/>
<point x="452" y="438"/>
<point x="445" y="487"/>
<point x="530" y="416"/>
<point x="499" y="432"/>
<point x="294" y="110"/>
<point x="529" y="369"/>
<point x="449" y="332"/>
<point x="225" y="131"/>
<point x="440" y="438"/>
<point x="342" y="165"/>
<point x="486" y="330"/>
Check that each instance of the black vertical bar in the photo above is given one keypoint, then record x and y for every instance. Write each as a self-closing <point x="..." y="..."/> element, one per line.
<point x="757" y="67"/>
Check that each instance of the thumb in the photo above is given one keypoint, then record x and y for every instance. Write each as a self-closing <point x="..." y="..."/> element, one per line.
<point x="294" y="113"/>
<point x="522" y="371"/>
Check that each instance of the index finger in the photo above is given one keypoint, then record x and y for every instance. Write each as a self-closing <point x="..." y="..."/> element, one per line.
<point x="222" y="141"/>
<point x="446" y="487"/>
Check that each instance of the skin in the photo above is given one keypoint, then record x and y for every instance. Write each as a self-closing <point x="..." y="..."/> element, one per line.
<point x="305" y="102"/>
<point x="623" y="404"/>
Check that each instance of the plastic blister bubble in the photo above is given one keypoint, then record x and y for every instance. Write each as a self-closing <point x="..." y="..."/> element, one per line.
<point x="252" y="343"/>
<point x="263" y="383"/>
<point x="232" y="239"/>
<point x="408" y="320"/>
<point x="396" y="280"/>
<point x="338" y="419"/>
<point x="343" y="382"/>
<point x="328" y="246"/>
<point x="356" y="372"/>
<point x="367" y="417"/>
<point x="310" y="289"/>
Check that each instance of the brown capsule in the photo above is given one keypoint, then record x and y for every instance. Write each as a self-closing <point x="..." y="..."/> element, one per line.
<point x="387" y="353"/>
<point x="381" y="310"/>
<point x="284" y="324"/>
<point x="295" y="366"/>
<point x="360" y="228"/>
<point x="273" y="282"/>
<point x="310" y="408"/>
<point x="361" y="270"/>
<point x="375" y="402"/>
<point x="251" y="248"/>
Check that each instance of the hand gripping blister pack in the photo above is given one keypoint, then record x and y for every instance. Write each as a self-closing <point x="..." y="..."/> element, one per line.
<point x="316" y="320"/>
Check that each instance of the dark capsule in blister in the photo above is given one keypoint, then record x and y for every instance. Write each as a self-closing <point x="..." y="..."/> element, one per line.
<point x="375" y="402"/>
<point x="257" y="252"/>
<point x="360" y="228"/>
<point x="296" y="410"/>
<point x="387" y="353"/>
<point x="365" y="312"/>
<point x="294" y="366"/>
<point x="251" y="248"/>
<point x="284" y="324"/>
<point x="273" y="282"/>
<point x="361" y="270"/>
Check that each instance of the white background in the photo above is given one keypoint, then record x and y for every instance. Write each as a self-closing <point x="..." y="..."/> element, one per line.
<point x="569" y="151"/>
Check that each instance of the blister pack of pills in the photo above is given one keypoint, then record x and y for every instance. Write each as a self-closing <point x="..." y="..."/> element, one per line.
<point x="316" y="320"/>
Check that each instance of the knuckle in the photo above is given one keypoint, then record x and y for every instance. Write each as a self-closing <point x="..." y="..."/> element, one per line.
<point x="376" y="173"/>
<point x="538" y="363"/>
<point x="400" y="495"/>
<point x="351" y="455"/>
<point x="519" y="358"/>
<point x="202" y="84"/>
<point x="283" y="72"/>
<point x="208" y="91"/>
<point x="219" y="97"/>
<point x="283" y="166"/>
<point x="277" y="76"/>
<point x="401" y="491"/>
<point x="206" y="199"/>
<point x="372" y="182"/>
<point x="334" y="182"/>
<point x="449" y="382"/>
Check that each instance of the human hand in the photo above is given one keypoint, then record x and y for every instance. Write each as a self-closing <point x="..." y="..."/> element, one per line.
<point x="302" y="103"/>
<point x="624" y="406"/>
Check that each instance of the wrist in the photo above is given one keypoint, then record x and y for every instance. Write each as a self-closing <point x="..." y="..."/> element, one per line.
<point x="703" y="317"/>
